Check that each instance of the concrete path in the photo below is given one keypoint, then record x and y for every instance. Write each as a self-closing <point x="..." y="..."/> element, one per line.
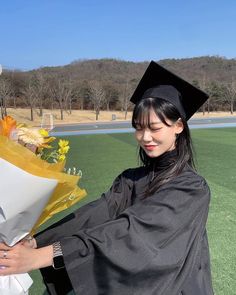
<point x="125" y="127"/>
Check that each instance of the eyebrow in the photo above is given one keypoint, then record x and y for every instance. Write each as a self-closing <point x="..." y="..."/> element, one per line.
<point x="154" y="123"/>
<point x="149" y="124"/>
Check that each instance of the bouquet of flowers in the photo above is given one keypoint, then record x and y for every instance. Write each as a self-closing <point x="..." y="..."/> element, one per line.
<point x="33" y="187"/>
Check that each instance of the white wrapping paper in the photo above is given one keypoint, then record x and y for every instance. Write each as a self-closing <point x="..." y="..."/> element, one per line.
<point x="15" y="284"/>
<point x="22" y="199"/>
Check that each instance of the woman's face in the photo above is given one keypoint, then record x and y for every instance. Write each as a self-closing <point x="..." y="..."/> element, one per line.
<point x="158" y="138"/>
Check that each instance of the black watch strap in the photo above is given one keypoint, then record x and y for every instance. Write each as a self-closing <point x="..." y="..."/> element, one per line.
<point x="58" y="261"/>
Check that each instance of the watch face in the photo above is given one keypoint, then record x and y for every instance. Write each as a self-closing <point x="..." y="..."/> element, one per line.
<point x="58" y="262"/>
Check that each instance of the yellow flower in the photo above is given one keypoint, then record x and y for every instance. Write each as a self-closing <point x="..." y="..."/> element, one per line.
<point x="44" y="132"/>
<point x="63" y="143"/>
<point x="61" y="158"/>
<point x="63" y="146"/>
<point x="47" y="138"/>
<point x="64" y="150"/>
<point x="7" y="125"/>
<point x="34" y="139"/>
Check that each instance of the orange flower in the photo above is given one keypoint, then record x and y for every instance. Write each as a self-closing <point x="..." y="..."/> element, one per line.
<point x="7" y="124"/>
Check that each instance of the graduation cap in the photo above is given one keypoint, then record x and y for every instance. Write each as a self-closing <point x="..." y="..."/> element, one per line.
<point x="157" y="82"/>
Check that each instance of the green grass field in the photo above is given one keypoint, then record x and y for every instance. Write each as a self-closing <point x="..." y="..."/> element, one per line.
<point x="102" y="157"/>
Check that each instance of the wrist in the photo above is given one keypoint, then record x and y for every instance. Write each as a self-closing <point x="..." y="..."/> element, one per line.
<point x="44" y="257"/>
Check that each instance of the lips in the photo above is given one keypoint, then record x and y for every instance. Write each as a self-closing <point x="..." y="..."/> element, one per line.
<point x="150" y="147"/>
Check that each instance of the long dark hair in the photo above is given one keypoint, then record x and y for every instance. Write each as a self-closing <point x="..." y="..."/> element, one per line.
<point x="184" y="150"/>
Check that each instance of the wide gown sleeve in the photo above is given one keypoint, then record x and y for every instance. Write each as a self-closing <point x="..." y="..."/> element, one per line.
<point x="107" y="207"/>
<point x="150" y="248"/>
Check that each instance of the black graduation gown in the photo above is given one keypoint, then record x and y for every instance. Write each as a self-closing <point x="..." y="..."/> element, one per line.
<point x="125" y="244"/>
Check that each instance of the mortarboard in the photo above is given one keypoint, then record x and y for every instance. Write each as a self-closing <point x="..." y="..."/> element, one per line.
<point x="158" y="82"/>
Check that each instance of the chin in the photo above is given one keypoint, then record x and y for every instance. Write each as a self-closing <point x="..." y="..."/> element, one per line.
<point x="153" y="155"/>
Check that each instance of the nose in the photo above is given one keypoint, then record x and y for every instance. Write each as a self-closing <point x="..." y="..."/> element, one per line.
<point x="147" y="135"/>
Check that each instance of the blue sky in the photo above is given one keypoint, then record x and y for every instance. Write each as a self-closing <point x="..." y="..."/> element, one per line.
<point x="50" y="33"/>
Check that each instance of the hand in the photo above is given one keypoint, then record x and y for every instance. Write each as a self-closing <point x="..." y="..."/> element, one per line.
<point x="29" y="241"/>
<point x="21" y="258"/>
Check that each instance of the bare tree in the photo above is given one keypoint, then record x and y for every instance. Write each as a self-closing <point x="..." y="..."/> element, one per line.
<point x="41" y="86"/>
<point x="30" y="96"/>
<point x="61" y="91"/>
<point x="80" y="93"/>
<point x="97" y="96"/>
<point x="70" y="91"/>
<point x="229" y="90"/>
<point x="215" y="95"/>
<point x="111" y="95"/>
<point x="125" y="97"/>
<point x="50" y="100"/>
<point x="18" y="81"/>
<point x="5" y="92"/>
<point x="203" y="87"/>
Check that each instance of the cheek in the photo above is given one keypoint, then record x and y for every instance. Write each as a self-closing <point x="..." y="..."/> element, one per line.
<point x="137" y="136"/>
<point x="169" y="137"/>
<point x="172" y="138"/>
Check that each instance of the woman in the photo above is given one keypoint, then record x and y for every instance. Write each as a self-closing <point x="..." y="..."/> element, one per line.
<point x="147" y="234"/>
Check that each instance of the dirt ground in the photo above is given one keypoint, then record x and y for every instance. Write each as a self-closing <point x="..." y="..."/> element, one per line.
<point x="78" y="116"/>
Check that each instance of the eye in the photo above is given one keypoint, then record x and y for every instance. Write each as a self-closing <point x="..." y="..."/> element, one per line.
<point x="155" y="129"/>
<point x="138" y="128"/>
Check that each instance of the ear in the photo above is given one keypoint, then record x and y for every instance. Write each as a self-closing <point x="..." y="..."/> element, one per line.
<point x="179" y="126"/>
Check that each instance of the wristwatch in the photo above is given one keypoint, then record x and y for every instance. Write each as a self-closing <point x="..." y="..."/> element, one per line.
<point x="58" y="261"/>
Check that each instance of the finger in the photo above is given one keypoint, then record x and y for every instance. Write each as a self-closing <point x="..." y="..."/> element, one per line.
<point x="4" y="247"/>
<point x="5" y="264"/>
<point x="4" y="254"/>
<point x="7" y="270"/>
<point x="3" y="270"/>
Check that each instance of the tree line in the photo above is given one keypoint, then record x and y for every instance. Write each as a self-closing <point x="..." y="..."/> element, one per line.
<point x="107" y="84"/>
